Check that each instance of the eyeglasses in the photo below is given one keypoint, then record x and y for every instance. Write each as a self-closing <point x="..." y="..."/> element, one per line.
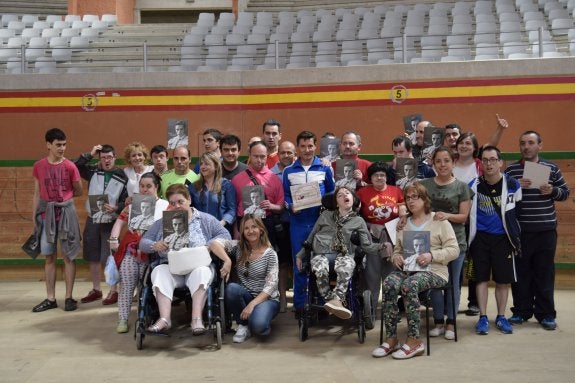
<point x="378" y="175"/>
<point x="107" y="158"/>
<point x="487" y="161"/>
<point x="247" y="266"/>
<point x="180" y="202"/>
<point x="412" y="197"/>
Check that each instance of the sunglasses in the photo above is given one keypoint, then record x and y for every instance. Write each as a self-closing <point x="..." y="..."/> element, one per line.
<point x="247" y="266"/>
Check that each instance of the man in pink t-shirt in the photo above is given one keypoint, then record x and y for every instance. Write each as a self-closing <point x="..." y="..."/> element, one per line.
<point x="56" y="182"/>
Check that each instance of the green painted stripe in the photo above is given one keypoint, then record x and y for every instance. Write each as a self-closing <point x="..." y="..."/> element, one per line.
<point x="509" y="156"/>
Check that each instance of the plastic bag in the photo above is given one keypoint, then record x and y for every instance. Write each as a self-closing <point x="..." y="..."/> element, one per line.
<point x="111" y="271"/>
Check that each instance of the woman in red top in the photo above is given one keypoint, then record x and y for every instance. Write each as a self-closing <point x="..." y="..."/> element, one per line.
<point x="380" y="203"/>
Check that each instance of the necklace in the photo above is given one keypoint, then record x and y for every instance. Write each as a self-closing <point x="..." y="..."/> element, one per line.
<point x="254" y="253"/>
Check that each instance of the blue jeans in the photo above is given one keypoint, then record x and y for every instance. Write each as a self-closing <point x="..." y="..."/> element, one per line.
<point x="437" y="298"/>
<point x="259" y="322"/>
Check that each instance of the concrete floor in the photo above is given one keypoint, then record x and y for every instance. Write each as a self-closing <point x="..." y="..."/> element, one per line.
<point x="58" y="346"/>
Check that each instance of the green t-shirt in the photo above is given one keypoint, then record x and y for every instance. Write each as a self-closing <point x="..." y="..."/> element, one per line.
<point x="446" y="198"/>
<point x="170" y="178"/>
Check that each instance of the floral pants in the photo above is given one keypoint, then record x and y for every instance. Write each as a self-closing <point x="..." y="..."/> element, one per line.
<point x="408" y="285"/>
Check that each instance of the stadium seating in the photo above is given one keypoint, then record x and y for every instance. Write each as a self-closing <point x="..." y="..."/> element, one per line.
<point x="361" y="35"/>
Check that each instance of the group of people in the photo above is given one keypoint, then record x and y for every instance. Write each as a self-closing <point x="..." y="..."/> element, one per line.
<point x="460" y="197"/>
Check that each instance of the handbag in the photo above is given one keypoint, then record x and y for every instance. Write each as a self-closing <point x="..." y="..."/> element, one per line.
<point x="111" y="271"/>
<point x="32" y="246"/>
<point x="185" y="260"/>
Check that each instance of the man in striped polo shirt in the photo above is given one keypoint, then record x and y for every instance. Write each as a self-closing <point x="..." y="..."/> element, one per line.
<point x="533" y="292"/>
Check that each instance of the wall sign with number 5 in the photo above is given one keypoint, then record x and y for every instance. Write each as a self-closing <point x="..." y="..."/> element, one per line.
<point x="398" y="94"/>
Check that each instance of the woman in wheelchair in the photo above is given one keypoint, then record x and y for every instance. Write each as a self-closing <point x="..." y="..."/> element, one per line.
<point x="252" y="297"/>
<point x="203" y="228"/>
<point x="331" y="238"/>
<point x="443" y="248"/>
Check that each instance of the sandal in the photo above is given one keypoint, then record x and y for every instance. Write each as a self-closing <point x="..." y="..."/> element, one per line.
<point x="199" y="329"/>
<point x="161" y="325"/>
<point x="406" y="352"/>
<point x="384" y="350"/>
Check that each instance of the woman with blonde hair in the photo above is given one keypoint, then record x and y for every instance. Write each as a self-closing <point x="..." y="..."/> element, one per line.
<point x="136" y="156"/>
<point x="253" y="297"/>
<point x="212" y="193"/>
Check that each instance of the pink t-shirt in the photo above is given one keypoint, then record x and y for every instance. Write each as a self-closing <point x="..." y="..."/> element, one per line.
<point x="55" y="181"/>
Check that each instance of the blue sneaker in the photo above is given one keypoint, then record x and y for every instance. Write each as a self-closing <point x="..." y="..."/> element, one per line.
<point x="516" y="319"/>
<point x="482" y="326"/>
<point x="549" y="324"/>
<point x="503" y="325"/>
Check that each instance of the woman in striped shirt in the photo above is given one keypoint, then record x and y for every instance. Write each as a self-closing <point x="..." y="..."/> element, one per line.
<point x="253" y="297"/>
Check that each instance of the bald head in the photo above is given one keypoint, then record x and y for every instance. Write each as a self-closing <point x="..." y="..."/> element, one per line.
<point x="286" y="153"/>
<point x="181" y="159"/>
<point x="419" y="131"/>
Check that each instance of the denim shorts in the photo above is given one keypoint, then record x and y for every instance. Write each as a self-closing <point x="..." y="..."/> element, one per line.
<point x="45" y="247"/>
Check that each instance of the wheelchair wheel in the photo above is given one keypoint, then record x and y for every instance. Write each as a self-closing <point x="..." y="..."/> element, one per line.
<point x="139" y="341"/>
<point x="361" y="332"/>
<point x="303" y="327"/>
<point x="218" y="335"/>
<point x="368" y="311"/>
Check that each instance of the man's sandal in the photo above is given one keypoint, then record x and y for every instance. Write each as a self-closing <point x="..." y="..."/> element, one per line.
<point x="160" y="326"/>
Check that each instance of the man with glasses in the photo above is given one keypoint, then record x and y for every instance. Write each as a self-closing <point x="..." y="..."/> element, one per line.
<point x="534" y="290"/>
<point x="181" y="173"/>
<point x="103" y="178"/>
<point x="494" y="234"/>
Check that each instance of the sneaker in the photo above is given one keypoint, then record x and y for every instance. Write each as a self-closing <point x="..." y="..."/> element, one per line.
<point x="46" y="304"/>
<point x="472" y="310"/>
<point x="92" y="296"/>
<point x="70" y="304"/>
<point x="449" y="335"/>
<point x="549" y="324"/>
<point x="122" y="326"/>
<point x="503" y="325"/>
<point x="111" y="298"/>
<point x="242" y="333"/>
<point x="482" y="326"/>
<point x="336" y="308"/>
<point x="437" y="331"/>
<point x="516" y="319"/>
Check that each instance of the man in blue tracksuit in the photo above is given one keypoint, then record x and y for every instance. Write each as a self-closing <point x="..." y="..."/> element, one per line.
<point x="494" y="236"/>
<point x="307" y="168"/>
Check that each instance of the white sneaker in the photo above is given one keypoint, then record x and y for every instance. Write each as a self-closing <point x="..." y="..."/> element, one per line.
<point x="242" y="333"/>
<point x="449" y="335"/>
<point x="437" y="331"/>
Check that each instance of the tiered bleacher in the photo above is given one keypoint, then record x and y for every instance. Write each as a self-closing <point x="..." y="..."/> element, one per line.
<point x="338" y="36"/>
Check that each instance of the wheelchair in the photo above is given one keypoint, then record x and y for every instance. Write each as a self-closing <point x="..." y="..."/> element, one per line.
<point x="358" y="300"/>
<point x="213" y="314"/>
